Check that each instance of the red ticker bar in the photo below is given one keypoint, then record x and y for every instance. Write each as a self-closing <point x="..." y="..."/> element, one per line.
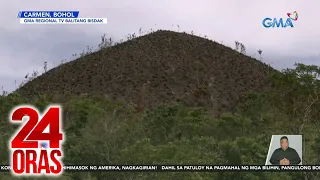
<point x="182" y="168"/>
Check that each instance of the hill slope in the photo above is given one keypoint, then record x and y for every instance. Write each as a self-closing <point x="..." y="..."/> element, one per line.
<point x="160" y="67"/>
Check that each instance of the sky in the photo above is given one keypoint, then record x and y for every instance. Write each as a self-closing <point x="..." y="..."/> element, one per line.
<point x="24" y="48"/>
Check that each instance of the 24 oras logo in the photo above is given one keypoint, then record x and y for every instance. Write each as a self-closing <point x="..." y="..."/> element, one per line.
<point x="281" y="22"/>
<point x="36" y="146"/>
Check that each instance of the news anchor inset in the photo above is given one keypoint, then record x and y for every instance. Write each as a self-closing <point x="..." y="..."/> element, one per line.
<point x="285" y="155"/>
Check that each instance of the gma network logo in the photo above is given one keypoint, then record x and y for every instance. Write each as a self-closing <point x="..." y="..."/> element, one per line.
<point x="282" y="22"/>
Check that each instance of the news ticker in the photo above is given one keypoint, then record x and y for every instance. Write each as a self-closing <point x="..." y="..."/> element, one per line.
<point x="182" y="168"/>
<point x="56" y="17"/>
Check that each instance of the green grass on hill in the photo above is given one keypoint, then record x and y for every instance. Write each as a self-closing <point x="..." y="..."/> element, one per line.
<point x="100" y="131"/>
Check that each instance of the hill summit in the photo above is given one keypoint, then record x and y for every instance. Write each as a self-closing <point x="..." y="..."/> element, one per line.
<point x="160" y="67"/>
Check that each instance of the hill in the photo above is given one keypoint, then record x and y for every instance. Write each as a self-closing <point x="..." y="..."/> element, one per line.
<point x="167" y="66"/>
<point x="160" y="67"/>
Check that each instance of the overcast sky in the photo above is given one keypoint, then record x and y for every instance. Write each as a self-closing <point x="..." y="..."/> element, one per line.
<point x="26" y="47"/>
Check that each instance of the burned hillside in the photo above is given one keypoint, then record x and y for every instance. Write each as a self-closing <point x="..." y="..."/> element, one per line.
<point x="160" y="67"/>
